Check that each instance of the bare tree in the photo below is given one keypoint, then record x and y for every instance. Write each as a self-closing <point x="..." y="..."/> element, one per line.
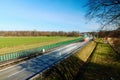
<point x="107" y="12"/>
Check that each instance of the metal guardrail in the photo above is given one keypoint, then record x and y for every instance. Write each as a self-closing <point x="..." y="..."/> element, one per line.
<point x="25" y="53"/>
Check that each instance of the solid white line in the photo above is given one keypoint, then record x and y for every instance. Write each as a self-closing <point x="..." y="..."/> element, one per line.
<point x="16" y="73"/>
<point x="12" y="66"/>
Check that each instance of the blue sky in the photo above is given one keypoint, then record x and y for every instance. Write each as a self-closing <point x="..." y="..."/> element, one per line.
<point x="45" y="15"/>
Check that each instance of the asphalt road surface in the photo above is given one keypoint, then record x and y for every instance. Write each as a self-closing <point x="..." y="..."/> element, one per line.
<point x="26" y="69"/>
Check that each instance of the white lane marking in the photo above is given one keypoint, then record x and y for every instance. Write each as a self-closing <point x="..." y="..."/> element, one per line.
<point x="16" y="73"/>
<point x="12" y="66"/>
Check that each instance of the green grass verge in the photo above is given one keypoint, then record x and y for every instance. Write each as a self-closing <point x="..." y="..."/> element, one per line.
<point x="84" y="53"/>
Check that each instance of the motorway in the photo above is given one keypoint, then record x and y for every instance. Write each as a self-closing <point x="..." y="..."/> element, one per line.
<point x="26" y="69"/>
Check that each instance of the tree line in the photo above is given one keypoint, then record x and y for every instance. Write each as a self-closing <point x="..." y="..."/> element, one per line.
<point x="113" y="33"/>
<point x="39" y="33"/>
<point x="103" y="34"/>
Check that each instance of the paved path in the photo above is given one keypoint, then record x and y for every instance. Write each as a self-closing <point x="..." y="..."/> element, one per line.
<point x="25" y="69"/>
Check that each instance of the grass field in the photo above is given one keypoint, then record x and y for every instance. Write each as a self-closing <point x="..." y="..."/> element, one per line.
<point x="12" y="44"/>
<point x="104" y="64"/>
